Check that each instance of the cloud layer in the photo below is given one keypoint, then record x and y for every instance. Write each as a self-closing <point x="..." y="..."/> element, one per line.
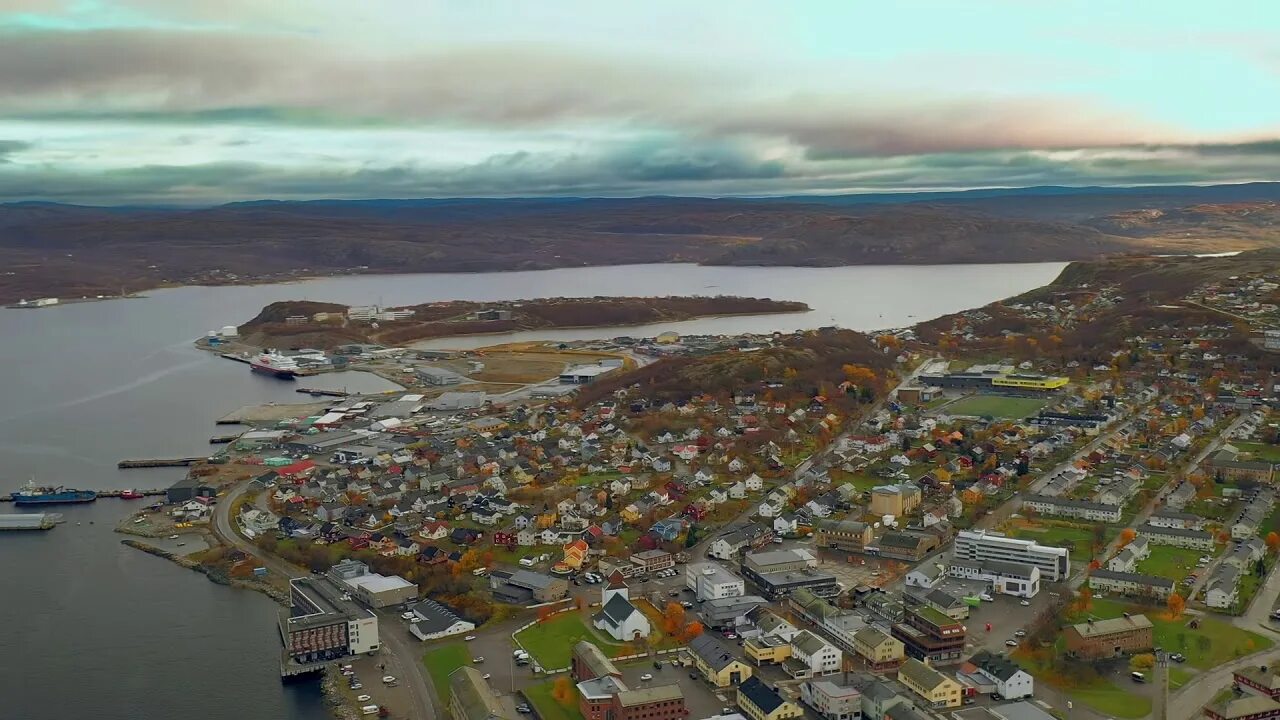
<point x="143" y="101"/>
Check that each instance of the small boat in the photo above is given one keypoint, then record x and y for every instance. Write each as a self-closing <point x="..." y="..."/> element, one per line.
<point x="131" y="495"/>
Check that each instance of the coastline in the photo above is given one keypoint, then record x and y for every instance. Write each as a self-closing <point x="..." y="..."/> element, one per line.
<point x="214" y="575"/>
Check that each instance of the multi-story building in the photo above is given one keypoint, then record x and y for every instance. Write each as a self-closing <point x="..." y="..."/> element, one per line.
<point x="880" y="651"/>
<point x="778" y="573"/>
<point x="1243" y="707"/>
<point x="1177" y="537"/>
<point x="908" y="545"/>
<point x="711" y="580"/>
<point x="835" y="623"/>
<point x="1126" y="583"/>
<point x="848" y="535"/>
<point x="471" y="698"/>
<point x="1259" y="681"/>
<point x="602" y="695"/>
<point x="716" y="663"/>
<point x="590" y="662"/>
<point x="1054" y="563"/>
<point x="930" y="635"/>
<point x="1067" y="507"/>
<point x="1174" y="519"/>
<point x="767" y="650"/>
<point x="896" y="500"/>
<point x="1109" y="638"/>
<point x="323" y="624"/>
<point x="731" y="543"/>
<point x="812" y="656"/>
<point x="832" y="701"/>
<point x="1225" y="465"/>
<point x="524" y="586"/>
<point x="653" y="560"/>
<point x="372" y="589"/>
<point x="761" y="702"/>
<point x="938" y="690"/>
<point x="1010" y="680"/>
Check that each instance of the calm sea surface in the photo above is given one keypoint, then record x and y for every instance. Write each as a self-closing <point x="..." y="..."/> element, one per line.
<point x="95" y="627"/>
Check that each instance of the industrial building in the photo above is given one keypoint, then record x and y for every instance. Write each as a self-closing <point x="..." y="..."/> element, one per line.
<point x="583" y="374"/>
<point x="372" y="589"/>
<point x="471" y="698"/>
<point x="323" y="624"/>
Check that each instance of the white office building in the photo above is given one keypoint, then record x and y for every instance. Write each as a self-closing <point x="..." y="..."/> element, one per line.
<point x="1053" y="563"/>
<point x="710" y="581"/>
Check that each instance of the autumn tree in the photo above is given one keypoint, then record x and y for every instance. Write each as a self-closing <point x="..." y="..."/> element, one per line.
<point x="1084" y="599"/>
<point x="563" y="691"/>
<point x="1273" y="541"/>
<point x="1142" y="661"/>
<point x="692" y="630"/>
<point x="673" y="618"/>
<point x="1127" y="535"/>
<point x="1176" y="605"/>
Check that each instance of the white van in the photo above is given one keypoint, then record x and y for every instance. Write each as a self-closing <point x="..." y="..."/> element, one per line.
<point x="527" y="562"/>
<point x="480" y="572"/>
<point x="369" y="710"/>
<point x="1138" y="677"/>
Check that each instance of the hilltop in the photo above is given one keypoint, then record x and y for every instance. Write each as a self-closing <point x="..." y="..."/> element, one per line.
<point x="63" y="250"/>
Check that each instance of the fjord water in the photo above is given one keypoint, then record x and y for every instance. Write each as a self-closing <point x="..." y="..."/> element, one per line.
<point x="95" y="628"/>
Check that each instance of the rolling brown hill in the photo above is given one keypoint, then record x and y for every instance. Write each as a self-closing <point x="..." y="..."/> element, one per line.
<point x="49" y="249"/>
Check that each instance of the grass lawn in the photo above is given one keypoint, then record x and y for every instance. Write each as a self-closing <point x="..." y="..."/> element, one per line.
<point x="1261" y="451"/>
<point x="1079" y="540"/>
<point x="862" y="481"/>
<point x="442" y="661"/>
<point x="551" y="642"/>
<point x="1169" y="562"/>
<point x="1224" y="641"/>
<point x="1113" y="701"/>
<point x="547" y="707"/>
<point x="996" y="406"/>
<point x="597" y="480"/>
<point x="1179" y="677"/>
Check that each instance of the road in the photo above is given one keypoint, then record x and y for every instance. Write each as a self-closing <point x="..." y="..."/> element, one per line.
<point x="400" y="650"/>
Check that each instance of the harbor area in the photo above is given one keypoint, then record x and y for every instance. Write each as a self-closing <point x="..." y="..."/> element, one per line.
<point x="29" y="521"/>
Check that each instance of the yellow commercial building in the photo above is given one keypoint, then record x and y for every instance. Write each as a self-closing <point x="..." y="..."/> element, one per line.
<point x="1030" y="382"/>
<point x="767" y="650"/>
<point x="937" y="689"/>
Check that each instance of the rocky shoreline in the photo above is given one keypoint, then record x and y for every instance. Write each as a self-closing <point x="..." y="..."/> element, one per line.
<point x="214" y="574"/>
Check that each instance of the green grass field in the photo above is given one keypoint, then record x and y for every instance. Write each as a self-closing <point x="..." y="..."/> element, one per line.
<point x="547" y="707"/>
<point x="996" y="406"/>
<point x="1170" y="562"/>
<point x="442" y="661"/>
<point x="1223" y="641"/>
<point x="551" y="642"/>
<point x="1114" y="701"/>
<point x="1079" y="540"/>
<point x="1261" y="451"/>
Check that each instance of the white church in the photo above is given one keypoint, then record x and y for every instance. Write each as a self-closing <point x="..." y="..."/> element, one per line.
<point x="617" y="616"/>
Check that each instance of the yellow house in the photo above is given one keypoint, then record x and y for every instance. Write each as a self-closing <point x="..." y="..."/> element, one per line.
<point x="937" y="689"/>
<point x="631" y="513"/>
<point x="878" y="649"/>
<point x="546" y="519"/>
<point x="667" y="338"/>
<point x="575" y="553"/>
<point x="716" y="663"/>
<point x="767" y="650"/>
<point x="761" y="702"/>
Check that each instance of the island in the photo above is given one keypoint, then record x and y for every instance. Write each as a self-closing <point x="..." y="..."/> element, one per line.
<point x="294" y="324"/>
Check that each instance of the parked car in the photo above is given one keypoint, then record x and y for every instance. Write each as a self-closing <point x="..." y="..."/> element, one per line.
<point x="478" y="659"/>
<point x="1011" y="643"/>
<point x="645" y="677"/>
<point x="469" y="638"/>
<point x="1025" y="603"/>
<point x="1020" y="633"/>
<point x="407" y="616"/>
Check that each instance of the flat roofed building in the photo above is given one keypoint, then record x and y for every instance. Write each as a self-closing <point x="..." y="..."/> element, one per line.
<point x="323" y="624"/>
<point x="1177" y="537"/>
<point x="1131" y="584"/>
<point x="832" y="701"/>
<point x="1054" y="563"/>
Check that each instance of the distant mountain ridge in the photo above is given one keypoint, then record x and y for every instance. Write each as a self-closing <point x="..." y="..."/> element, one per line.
<point x="69" y="250"/>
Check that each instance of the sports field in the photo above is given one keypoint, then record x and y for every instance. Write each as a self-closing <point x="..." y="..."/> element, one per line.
<point x="996" y="406"/>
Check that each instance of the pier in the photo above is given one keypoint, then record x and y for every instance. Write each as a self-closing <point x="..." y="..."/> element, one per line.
<point x="160" y="462"/>
<point x="29" y="521"/>
<point x="106" y="494"/>
<point x="223" y="439"/>
<point x="325" y="393"/>
<point x="237" y="358"/>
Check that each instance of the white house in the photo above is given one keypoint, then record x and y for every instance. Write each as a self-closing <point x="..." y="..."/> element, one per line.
<point x="927" y="575"/>
<point x="1011" y="681"/>
<point x="754" y="483"/>
<point x="1130" y="555"/>
<point x="785" y="524"/>
<point x="813" y="655"/>
<point x="768" y="509"/>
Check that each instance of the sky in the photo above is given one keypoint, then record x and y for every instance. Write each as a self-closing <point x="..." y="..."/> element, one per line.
<point x="209" y="101"/>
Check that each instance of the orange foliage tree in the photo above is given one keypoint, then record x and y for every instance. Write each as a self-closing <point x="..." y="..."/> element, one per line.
<point x="692" y="630"/>
<point x="673" y="618"/>
<point x="1084" y="599"/>
<point x="563" y="691"/>
<point x="1176" y="604"/>
<point x="1127" y="535"/>
<point x="1273" y="541"/>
